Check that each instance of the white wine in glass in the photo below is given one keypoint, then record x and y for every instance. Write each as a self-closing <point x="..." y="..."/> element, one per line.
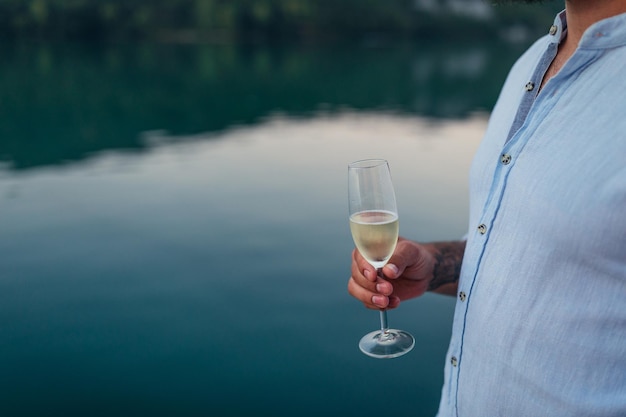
<point x="374" y="226"/>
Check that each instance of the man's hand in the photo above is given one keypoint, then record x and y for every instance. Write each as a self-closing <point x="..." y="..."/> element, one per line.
<point x="413" y="269"/>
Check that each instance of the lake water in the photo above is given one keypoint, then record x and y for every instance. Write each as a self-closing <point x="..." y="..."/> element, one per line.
<point x="174" y="236"/>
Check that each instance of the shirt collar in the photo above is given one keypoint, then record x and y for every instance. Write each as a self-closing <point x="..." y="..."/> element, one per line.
<point x="559" y="29"/>
<point x="607" y="33"/>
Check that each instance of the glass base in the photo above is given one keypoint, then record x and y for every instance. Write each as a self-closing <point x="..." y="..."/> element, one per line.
<point x="391" y="344"/>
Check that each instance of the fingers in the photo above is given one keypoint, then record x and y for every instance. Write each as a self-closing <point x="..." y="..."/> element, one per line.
<point x="367" y="277"/>
<point x="406" y="276"/>
<point x="370" y="299"/>
<point x="366" y="286"/>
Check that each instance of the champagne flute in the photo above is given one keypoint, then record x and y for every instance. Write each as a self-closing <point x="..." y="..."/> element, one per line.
<point x="374" y="227"/>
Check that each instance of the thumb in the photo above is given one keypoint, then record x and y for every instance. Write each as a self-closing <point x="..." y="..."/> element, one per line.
<point x="391" y="271"/>
<point x="410" y="260"/>
<point x="403" y="257"/>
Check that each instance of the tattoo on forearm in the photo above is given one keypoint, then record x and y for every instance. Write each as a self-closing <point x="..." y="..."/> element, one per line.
<point x="447" y="268"/>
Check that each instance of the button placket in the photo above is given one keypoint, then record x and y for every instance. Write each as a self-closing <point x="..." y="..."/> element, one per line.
<point x="488" y="216"/>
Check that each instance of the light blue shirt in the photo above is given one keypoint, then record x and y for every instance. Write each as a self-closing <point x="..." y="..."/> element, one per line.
<point x="540" y="321"/>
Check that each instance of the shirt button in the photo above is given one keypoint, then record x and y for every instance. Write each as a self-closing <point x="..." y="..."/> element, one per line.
<point x="454" y="361"/>
<point x="553" y="30"/>
<point x="530" y="86"/>
<point x="505" y="158"/>
<point x="482" y="229"/>
<point x="462" y="296"/>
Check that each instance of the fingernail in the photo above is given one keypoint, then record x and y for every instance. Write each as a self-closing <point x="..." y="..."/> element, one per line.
<point x="393" y="268"/>
<point x="379" y="300"/>
<point x="383" y="288"/>
<point x="367" y="274"/>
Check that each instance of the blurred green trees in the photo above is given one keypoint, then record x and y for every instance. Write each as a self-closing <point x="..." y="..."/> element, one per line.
<point x="250" y="20"/>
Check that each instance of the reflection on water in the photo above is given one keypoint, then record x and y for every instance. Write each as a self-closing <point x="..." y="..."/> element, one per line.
<point x="64" y="102"/>
<point x="207" y="275"/>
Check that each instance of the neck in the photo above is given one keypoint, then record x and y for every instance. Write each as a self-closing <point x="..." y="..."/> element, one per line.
<point x="583" y="13"/>
<point x="580" y="15"/>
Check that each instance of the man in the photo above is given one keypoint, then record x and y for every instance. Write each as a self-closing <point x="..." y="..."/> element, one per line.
<point x="540" y="320"/>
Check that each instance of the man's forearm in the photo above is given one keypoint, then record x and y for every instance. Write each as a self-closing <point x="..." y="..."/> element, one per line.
<point x="447" y="269"/>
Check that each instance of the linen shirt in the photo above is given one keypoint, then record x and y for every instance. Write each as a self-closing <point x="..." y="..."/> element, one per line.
<point x="540" y="322"/>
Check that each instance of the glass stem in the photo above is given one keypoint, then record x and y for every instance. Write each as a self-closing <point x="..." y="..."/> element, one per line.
<point x="384" y="327"/>
<point x="383" y="322"/>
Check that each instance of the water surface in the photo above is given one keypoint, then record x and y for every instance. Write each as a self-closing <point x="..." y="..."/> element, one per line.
<point x="174" y="236"/>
